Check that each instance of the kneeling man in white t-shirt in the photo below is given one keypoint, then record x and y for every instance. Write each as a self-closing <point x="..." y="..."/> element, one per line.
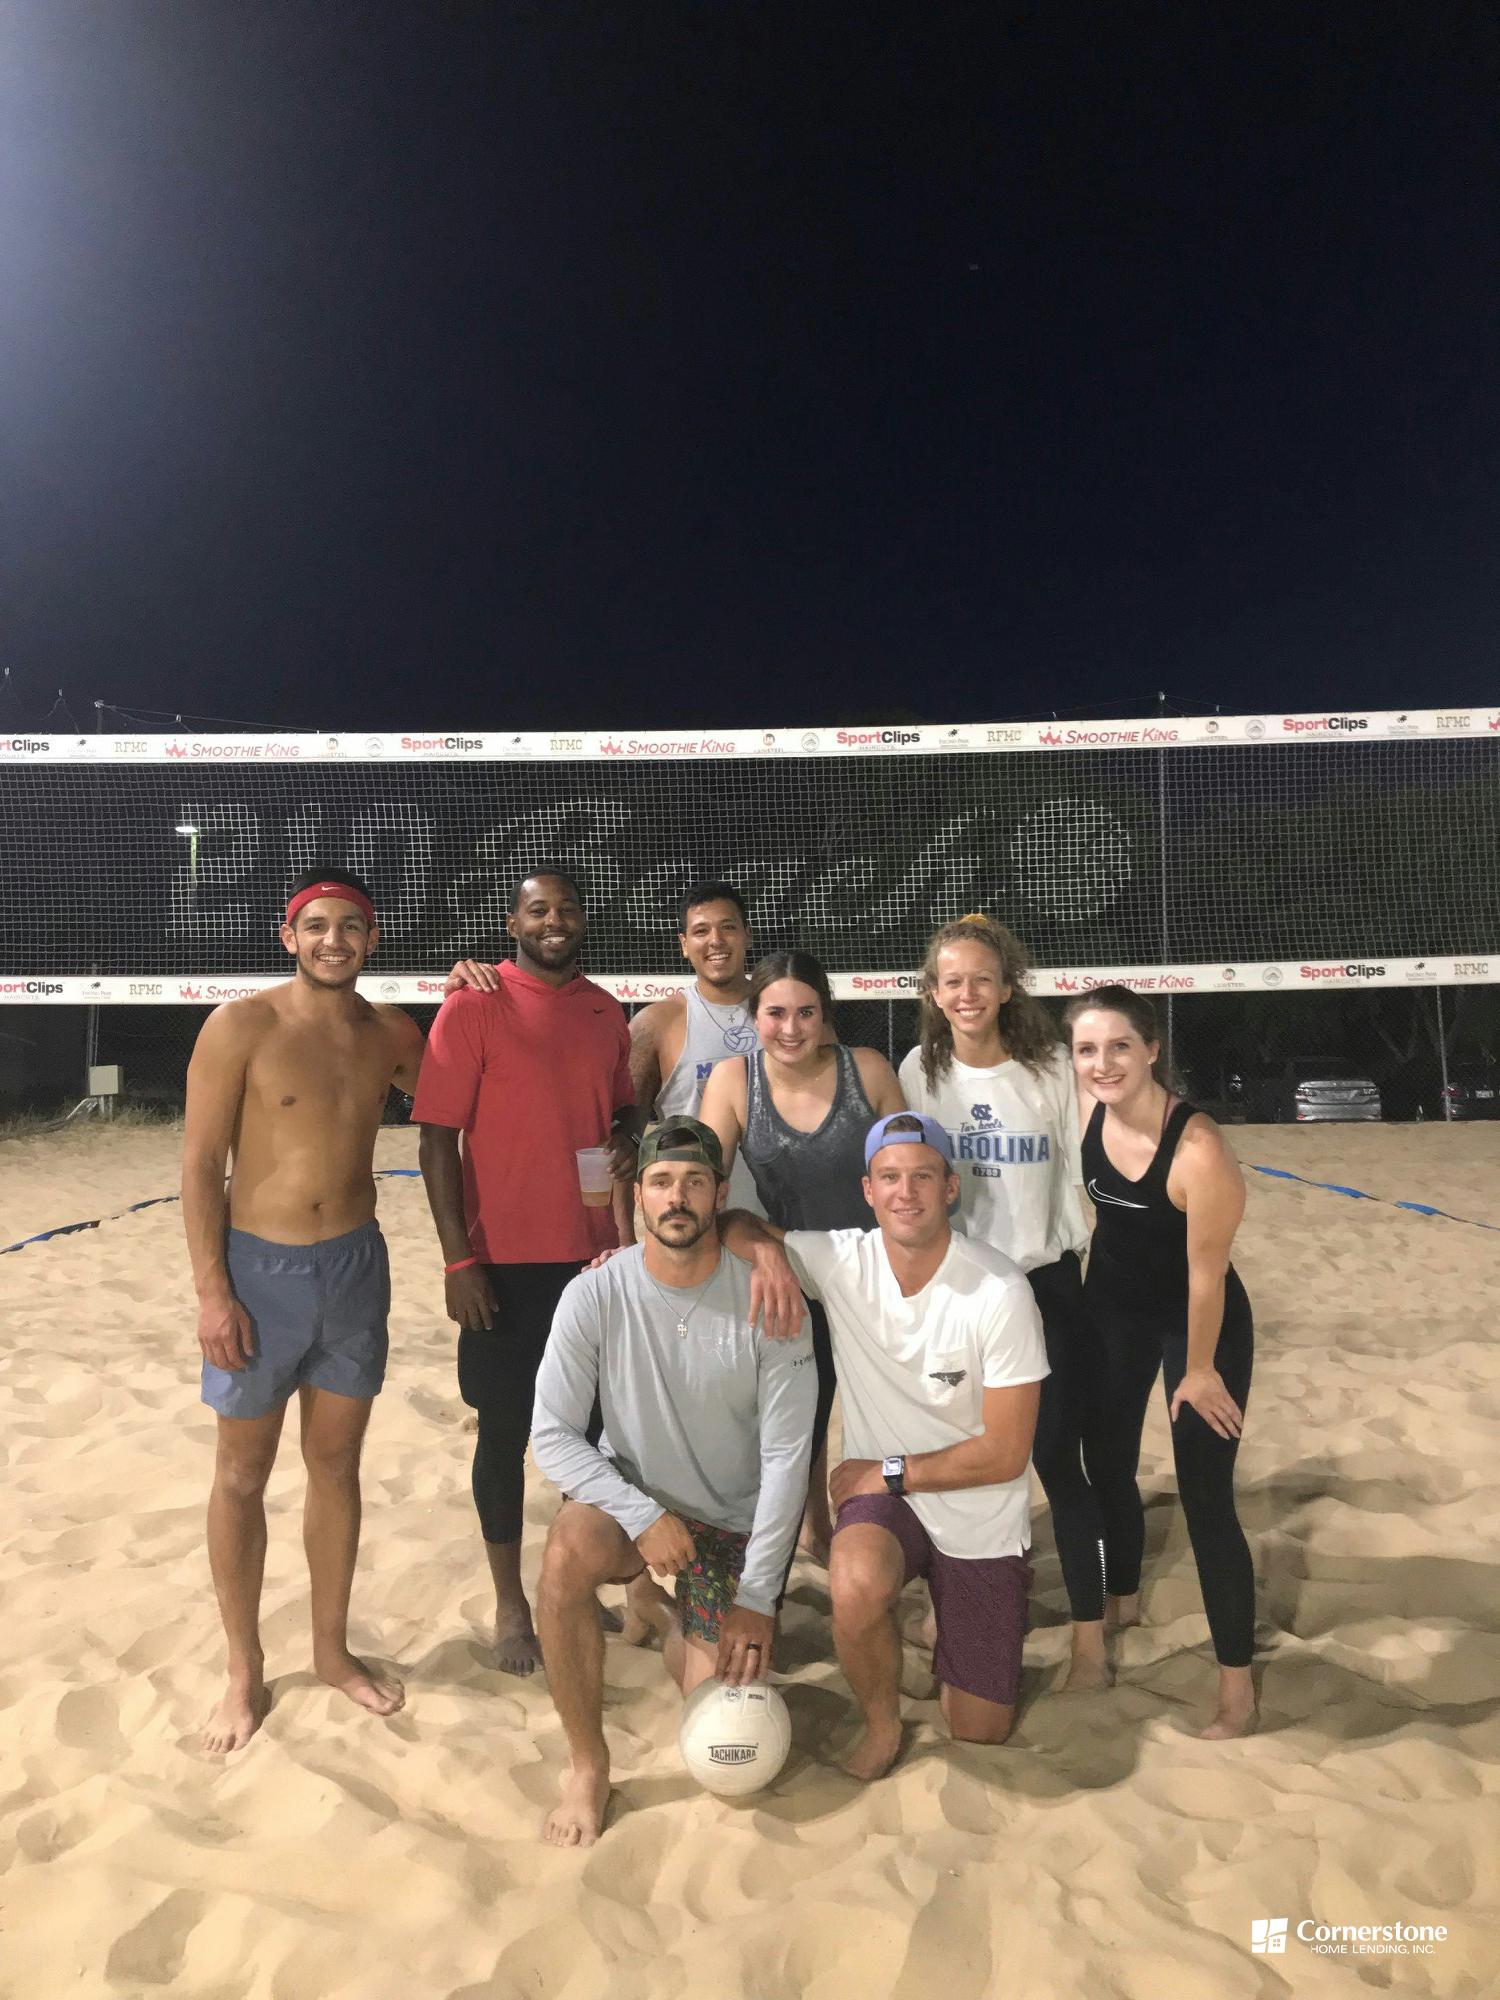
<point x="939" y="1351"/>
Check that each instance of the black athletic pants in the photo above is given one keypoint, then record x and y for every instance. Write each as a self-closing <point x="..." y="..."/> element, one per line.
<point x="497" y="1371"/>
<point x="1070" y="1411"/>
<point x="828" y="1381"/>
<point x="1136" y="1348"/>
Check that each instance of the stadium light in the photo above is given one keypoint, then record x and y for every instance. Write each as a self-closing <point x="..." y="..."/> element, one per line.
<point x="192" y="840"/>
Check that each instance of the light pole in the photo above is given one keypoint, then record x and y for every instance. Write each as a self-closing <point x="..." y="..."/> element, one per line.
<point x="191" y="833"/>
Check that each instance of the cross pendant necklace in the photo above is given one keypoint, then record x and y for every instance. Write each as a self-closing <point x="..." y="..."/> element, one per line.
<point x="682" y="1318"/>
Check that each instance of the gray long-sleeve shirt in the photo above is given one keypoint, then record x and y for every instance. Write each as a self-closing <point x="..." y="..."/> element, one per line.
<point x="714" y="1424"/>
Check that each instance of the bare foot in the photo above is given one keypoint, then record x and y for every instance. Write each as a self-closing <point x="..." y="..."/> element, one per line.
<point x="516" y="1647"/>
<point x="649" y="1612"/>
<point x="381" y="1693"/>
<point x="578" y="1819"/>
<point x="237" y="1717"/>
<point x="877" y="1749"/>
<point x="1087" y="1676"/>
<point x="1236" y="1715"/>
<point x="815" y="1542"/>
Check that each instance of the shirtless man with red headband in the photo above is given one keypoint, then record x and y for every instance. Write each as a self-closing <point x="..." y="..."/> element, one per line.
<point x="290" y="1270"/>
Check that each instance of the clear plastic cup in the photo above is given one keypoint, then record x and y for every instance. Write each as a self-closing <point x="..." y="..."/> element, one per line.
<point x="595" y="1182"/>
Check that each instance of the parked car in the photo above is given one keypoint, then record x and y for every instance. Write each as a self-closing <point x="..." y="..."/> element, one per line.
<point x="1472" y="1090"/>
<point x="1315" y="1090"/>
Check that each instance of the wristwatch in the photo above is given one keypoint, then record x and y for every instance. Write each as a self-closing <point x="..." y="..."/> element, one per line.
<point x="893" y="1472"/>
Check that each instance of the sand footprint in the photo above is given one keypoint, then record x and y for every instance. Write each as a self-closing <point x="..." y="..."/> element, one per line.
<point x="152" y="1951"/>
<point x="436" y="1409"/>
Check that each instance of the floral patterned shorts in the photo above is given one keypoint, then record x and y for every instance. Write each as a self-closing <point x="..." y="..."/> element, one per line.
<point x="706" y="1588"/>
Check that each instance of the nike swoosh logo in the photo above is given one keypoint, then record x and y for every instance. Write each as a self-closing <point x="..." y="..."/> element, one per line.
<point x="1114" y="1201"/>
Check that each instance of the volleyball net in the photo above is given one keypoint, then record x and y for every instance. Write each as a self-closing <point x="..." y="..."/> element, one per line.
<point x="1211" y="854"/>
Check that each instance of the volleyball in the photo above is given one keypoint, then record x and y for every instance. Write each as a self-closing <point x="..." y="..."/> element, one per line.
<point x="734" y="1740"/>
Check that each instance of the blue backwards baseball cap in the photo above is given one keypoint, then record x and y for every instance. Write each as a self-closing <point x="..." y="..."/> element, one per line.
<point x="930" y="1134"/>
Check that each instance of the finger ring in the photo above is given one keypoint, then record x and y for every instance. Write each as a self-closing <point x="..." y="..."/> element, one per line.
<point x="752" y="1645"/>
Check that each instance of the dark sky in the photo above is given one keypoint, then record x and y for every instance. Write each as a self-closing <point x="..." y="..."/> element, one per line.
<point x="531" y="365"/>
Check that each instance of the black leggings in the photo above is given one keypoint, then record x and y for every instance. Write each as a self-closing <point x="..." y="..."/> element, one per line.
<point x="1069" y="1412"/>
<point x="497" y="1379"/>
<point x="1136" y="1347"/>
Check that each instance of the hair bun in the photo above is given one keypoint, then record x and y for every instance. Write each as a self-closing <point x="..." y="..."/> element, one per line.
<point x="975" y="917"/>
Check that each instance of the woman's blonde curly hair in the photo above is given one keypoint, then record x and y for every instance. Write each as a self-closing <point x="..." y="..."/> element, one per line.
<point x="1026" y="1028"/>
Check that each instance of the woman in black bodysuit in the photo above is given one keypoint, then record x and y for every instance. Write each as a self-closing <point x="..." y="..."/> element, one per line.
<point x="1168" y="1196"/>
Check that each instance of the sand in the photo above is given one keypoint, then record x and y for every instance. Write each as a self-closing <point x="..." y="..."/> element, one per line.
<point x="1103" y="1852"/>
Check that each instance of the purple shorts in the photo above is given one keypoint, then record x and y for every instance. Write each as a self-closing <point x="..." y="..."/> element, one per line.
<point x="980" y="1603"/>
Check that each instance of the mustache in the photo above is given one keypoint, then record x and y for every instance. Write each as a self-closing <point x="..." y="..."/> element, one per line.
<point x="678" y="1215"/>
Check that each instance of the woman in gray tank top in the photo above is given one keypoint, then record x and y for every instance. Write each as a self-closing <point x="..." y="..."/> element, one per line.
<point x="798" y="1109"/>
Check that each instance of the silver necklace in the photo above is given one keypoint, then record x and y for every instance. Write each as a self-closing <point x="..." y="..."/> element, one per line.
<point x="682" y="1318"/>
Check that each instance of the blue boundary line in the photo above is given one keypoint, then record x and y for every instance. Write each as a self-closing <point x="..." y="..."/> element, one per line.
<point x="1359" y="1194"/>
<point x="414" y="1173"/>
<point x="156" y="1200"/>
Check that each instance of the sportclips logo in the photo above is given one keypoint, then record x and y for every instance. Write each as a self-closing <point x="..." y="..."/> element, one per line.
<point x="1341" y="973"/>
<point x="428" y="744"/>
<point x="1107" y="739"/>
<point x="39" y="988"/>
<point x="872" y="739"/>
<point x="23" y="746"/>
<point x="1322" y="725"/>
<point x="899" y="982"/>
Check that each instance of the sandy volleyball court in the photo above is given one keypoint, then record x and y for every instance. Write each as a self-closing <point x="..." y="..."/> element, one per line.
<point x="1104" y="1852"/>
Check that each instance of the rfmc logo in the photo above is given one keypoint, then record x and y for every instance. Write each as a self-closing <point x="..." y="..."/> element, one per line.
<point x="1302" y="725"/>
<point x="1316" y="972"/>
<point x="1268" y="1935"/>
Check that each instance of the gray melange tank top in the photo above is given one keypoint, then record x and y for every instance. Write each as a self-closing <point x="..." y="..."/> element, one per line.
<point x="712" y="1031"/>
<point x="809" y="1180"/>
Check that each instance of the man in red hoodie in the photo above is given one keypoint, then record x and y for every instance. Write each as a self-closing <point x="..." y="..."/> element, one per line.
<point x="524" y="1076"/>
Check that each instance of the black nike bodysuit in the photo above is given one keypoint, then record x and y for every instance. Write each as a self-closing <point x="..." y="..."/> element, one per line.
<point x="1136" y="1292"/>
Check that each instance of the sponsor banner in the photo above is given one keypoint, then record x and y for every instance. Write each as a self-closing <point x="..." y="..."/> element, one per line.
<point x="409" y="989"/>
<point x="648" y="746"/>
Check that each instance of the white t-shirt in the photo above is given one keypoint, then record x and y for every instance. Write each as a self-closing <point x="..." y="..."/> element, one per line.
<point x="1016" y="1149"/>
<point x="912" y="1372"/>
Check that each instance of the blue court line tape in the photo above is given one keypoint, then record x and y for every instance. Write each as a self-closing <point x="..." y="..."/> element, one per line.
<point x="415" y="1173"/>
<point x="1360" y="1194"/>
<point x="74" y="1228"/>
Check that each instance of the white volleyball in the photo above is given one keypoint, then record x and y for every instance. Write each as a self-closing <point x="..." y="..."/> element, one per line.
<point x="734" y="1740"/>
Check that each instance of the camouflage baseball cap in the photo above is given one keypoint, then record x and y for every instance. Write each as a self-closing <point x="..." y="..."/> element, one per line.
<point x="681" y="1139"/>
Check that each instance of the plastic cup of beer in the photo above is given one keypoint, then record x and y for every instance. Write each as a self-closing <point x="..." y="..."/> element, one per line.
<point x="595" y="1181"/>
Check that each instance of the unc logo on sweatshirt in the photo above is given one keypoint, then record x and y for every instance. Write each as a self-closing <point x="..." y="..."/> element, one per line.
<point x="983" y="1145"/>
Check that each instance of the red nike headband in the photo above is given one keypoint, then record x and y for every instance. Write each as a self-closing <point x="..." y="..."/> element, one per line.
<point x="343" y="890"/>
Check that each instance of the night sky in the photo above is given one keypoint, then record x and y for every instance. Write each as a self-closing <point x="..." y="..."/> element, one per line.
<point x="520" y="366"/>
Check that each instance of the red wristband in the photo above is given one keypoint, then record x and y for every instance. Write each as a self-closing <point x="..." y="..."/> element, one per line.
<point x="462" y="1265"/>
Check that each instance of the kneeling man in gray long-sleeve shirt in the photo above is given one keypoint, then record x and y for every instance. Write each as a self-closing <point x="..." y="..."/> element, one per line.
<point x="701" y="1472"/>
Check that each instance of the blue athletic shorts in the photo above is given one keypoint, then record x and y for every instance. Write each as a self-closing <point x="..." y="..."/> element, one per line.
<point x="318" y="1312"/>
